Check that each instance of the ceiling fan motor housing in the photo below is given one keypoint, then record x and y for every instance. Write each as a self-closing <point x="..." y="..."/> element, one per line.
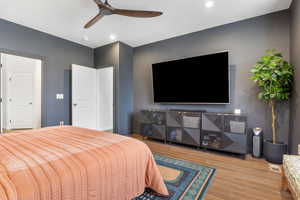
<point x="105" y="12"/>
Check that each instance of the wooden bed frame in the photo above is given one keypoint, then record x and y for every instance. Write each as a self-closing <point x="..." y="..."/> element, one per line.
<point x="286" y="186"/>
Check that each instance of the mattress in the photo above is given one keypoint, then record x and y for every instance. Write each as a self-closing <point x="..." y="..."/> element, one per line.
<point x="71" y="163"/>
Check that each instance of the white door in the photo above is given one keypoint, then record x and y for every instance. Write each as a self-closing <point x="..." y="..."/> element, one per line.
<point x="105" y="100"/>
<point x="22" y="92"/>
<point x="84" y="98"/>
<point x="20" y="100"/>
<point x="1" y="95"/>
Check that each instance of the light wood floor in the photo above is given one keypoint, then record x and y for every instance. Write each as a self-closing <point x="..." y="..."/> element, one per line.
<point x="14" y="130"/>
<point x="235" y="179"/>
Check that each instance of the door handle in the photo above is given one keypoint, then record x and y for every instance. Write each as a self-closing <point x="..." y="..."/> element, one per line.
<point x="30" y="103"/>
<point x="75" y="104"/>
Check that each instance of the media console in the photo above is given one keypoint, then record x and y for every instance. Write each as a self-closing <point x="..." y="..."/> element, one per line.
<point x="217" y="131"/>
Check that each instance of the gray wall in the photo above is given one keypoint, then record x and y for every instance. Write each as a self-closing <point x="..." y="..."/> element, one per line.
<point x="120" y="56"/>
<point x="295" y="59"/>
<point x="107" y="55"/>
<point x="125" y="88"/>
<point x="246" y="41"/>
<point x="58" y="55"/>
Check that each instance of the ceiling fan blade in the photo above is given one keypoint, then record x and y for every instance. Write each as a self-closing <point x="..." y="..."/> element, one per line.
<point x="102" y="5"/>
<point x="136" y="13"/>
<point x="94" y="20"/>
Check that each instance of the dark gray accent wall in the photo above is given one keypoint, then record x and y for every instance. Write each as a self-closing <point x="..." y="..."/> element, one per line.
<point x="120" y="56"/>
<point x="295" y="60"/>
<point x="58" y="55"/>
<point x="125" y="88"/>
<point x="246" y="41"/>
<point x="107" y="55"/>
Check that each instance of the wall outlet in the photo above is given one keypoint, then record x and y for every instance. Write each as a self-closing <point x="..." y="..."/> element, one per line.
<point x="61" y="123"/>
<point x="237" y="111"/>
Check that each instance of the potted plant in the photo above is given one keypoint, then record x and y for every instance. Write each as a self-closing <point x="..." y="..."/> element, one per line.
<point x="274" y="76"/>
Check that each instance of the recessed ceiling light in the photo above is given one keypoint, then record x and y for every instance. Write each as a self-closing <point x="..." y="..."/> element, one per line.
<point x="85" y="38"/>
<point x="209" y="4"/>
<point x="112" y="37"/>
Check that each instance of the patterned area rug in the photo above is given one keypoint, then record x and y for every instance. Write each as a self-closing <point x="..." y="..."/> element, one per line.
<point x="183" y="179"/>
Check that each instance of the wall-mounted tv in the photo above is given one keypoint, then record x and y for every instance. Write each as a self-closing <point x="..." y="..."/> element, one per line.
<point x="197" y="80"/>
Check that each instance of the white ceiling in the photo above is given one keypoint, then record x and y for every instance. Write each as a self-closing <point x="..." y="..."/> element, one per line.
<point x="66" y="18"/>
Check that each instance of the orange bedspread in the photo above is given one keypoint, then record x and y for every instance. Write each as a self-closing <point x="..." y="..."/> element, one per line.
<point x="69" y="163"/>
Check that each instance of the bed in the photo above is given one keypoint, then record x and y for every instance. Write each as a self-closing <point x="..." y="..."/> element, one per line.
<point x="71" y="163"/>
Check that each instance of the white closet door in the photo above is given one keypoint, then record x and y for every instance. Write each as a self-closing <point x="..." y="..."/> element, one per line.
<point x="105" y="89"/>
<point x="22" y="86"/>
<point x="20" y="102"/>
<point x="1" y="94"/>
<point x="84" y="97"/>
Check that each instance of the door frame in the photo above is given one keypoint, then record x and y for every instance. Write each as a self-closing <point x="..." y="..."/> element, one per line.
<point x="43" y="80"/>
<point x="113" y="103"/>
<point x="115" y="109"/>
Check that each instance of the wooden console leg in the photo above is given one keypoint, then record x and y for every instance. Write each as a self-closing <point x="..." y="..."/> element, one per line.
<point x="284" y="181"/>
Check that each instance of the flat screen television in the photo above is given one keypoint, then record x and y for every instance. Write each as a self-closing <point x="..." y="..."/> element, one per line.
<point x="197" y="80"/>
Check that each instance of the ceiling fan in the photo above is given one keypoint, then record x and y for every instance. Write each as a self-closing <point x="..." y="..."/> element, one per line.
<point x="106" y="9"/>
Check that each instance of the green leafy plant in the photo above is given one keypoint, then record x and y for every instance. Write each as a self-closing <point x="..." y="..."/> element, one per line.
<point x="274" y="76"/>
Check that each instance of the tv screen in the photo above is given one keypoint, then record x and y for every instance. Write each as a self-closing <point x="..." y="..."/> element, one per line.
<point x="197" y="80"/>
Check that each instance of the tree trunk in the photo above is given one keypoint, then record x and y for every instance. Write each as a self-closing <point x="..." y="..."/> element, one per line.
<point x="274" y="117"/>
